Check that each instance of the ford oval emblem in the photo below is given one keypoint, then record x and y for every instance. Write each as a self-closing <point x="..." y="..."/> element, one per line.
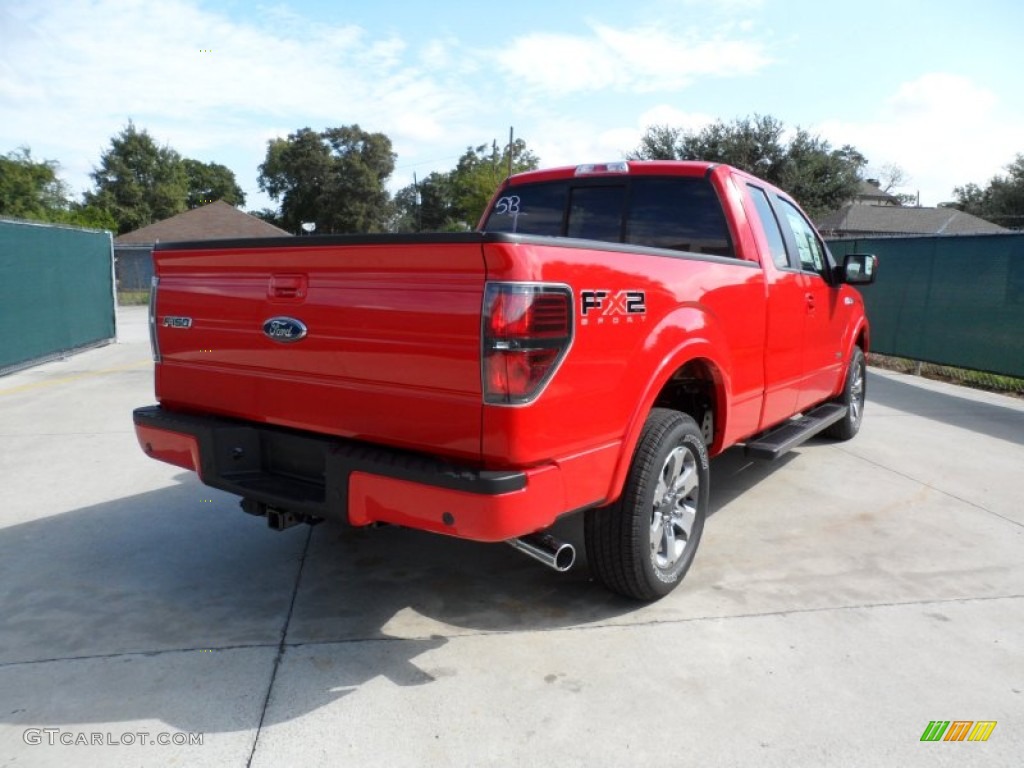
<point x="284" y="329"/>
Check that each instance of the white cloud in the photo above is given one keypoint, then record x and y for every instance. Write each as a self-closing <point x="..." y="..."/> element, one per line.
<point x="944" y="130"/>
<point x="73" y="73"/>
<point x="932" y="96"/>
<point x="638" y="60"/>
<point x="665" y="114"/>
<point x="568" y="141"/>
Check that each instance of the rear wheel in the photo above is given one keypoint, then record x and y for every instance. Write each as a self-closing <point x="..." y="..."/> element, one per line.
<point x="642" y="545"/>
<point x="854" y="393"/>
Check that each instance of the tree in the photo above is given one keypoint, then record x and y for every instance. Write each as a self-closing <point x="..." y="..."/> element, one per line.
<point x="891" y="175"/>
<point x="455" y="200"/>
<point x="1001" y="202"/>
<point x="208" y="182"/>
<point x="479" y="172"/>
<point x="659" y="142"/>
<point x="138" y="182"/>
<point x="269" y="215"/>
<point x="426" y="206"/>
<point x="84" y="215"/>
<point x="820" y="177"/>
<point x="335" y="178"/>
<point x="30" y="189"/>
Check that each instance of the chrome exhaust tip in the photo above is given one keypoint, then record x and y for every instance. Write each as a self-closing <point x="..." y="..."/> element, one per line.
<point x="545" y="548"/>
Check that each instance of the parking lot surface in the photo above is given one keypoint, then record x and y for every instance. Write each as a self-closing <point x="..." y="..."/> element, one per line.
<point x="843" y="598"/>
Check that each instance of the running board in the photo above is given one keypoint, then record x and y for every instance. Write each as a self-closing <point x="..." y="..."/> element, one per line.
<point x="792" y="433"/>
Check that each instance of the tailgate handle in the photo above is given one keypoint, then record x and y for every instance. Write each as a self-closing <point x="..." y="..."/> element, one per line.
<point x="288" y="287"/>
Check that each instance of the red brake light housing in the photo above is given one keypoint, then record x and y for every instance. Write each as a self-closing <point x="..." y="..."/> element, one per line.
<point x="527" y="330"/>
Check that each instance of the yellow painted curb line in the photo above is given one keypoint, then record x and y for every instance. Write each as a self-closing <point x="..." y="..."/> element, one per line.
<point x="74" y="377"/>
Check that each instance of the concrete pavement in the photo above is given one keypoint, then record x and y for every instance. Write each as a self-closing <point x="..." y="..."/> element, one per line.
<point x="842" y="599"/>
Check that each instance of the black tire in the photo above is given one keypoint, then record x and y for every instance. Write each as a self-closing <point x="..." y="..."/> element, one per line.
<point x="854" y="392"/>
<point x="641" y="549"/>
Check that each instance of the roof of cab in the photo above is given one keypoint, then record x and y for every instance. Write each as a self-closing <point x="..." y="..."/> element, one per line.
<point x="613" y="169"/>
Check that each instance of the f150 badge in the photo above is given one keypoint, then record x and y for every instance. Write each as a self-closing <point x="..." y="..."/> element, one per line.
<point x="284" y="329"/>
<point x="602" y="307"/>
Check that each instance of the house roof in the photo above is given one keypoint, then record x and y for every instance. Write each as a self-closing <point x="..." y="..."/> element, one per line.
<point x="870" y="192"/>
<point x="210" y="222"/>
<point x="854" y="219"/>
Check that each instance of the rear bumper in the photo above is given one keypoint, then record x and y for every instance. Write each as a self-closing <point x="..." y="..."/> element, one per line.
<point x="351" y="481"/>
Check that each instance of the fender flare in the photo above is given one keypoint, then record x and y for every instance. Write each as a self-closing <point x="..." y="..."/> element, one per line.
<point x="689" y="350"/>
<point x="860" y="327"/>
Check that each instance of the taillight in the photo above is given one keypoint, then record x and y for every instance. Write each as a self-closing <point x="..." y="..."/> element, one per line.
<point x="154" y="342"/>
<point x="527" y="328"/>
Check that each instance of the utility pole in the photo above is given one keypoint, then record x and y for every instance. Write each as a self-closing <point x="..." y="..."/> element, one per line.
<point x="419" y="203"/>
<point x="510" y="149"/>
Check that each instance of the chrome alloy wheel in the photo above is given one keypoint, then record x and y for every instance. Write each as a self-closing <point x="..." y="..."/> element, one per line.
<point x="642" y="545"/>
<point x="857" y="394"/>
<point x="675" y="507"/>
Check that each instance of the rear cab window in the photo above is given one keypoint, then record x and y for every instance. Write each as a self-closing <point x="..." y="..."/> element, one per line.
<point x="676" y="213"/>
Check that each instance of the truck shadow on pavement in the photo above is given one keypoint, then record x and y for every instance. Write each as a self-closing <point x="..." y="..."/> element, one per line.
<point x="173" y="605"/>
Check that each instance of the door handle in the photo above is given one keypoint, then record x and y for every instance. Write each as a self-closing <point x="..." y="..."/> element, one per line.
<point x="287" y="287"/>
<point x="810" y="300"/>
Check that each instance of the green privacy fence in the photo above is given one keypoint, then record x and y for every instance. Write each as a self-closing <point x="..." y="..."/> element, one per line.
<point x="954" y="300"/>
<point x="56" y="291"/>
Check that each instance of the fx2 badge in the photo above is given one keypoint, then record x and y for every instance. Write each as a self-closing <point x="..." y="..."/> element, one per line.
<point x="603" y="307"/>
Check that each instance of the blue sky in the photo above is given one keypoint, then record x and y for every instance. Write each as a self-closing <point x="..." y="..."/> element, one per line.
<point x="934" y="87"/>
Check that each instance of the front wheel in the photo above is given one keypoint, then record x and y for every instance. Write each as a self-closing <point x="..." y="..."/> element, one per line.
<point x="642" y="545"/>
<point x="854" y="393"/>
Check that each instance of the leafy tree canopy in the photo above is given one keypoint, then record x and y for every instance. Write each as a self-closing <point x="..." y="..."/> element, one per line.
<point x="456" y="199"/>
<point x="334" y="178"/>
<point x="1001" y="201"/>
<point x="139" y="182"/>
<point x="269" y="215"/>
<point x="31" y="189"/>
<point x="820" y="177"/>
<point x="136" y="184"/>
<point x="427" y="206"/>
<point x="209" y="182"/>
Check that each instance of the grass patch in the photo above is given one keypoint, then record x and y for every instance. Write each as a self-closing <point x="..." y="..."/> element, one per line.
<point x="132" y="298"/>
<point x="990" y="382"/>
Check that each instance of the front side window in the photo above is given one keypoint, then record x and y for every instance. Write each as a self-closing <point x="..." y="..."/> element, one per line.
<point x="808" y="246"/>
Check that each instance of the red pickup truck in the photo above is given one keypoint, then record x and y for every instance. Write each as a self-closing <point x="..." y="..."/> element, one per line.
<point x="605" y="330"/>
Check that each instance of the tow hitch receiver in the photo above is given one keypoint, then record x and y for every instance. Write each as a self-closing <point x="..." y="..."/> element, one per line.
<point x="278" y="519"/>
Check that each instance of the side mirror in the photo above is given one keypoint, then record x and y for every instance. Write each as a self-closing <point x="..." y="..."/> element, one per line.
<point x="859" y="269"/>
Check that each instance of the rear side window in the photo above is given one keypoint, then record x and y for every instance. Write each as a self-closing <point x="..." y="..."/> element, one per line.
<point x="677" y="213"/>
<point x="770" y="225"/>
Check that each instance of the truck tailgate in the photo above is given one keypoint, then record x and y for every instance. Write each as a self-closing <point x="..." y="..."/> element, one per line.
<point x="391" y="352"/>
